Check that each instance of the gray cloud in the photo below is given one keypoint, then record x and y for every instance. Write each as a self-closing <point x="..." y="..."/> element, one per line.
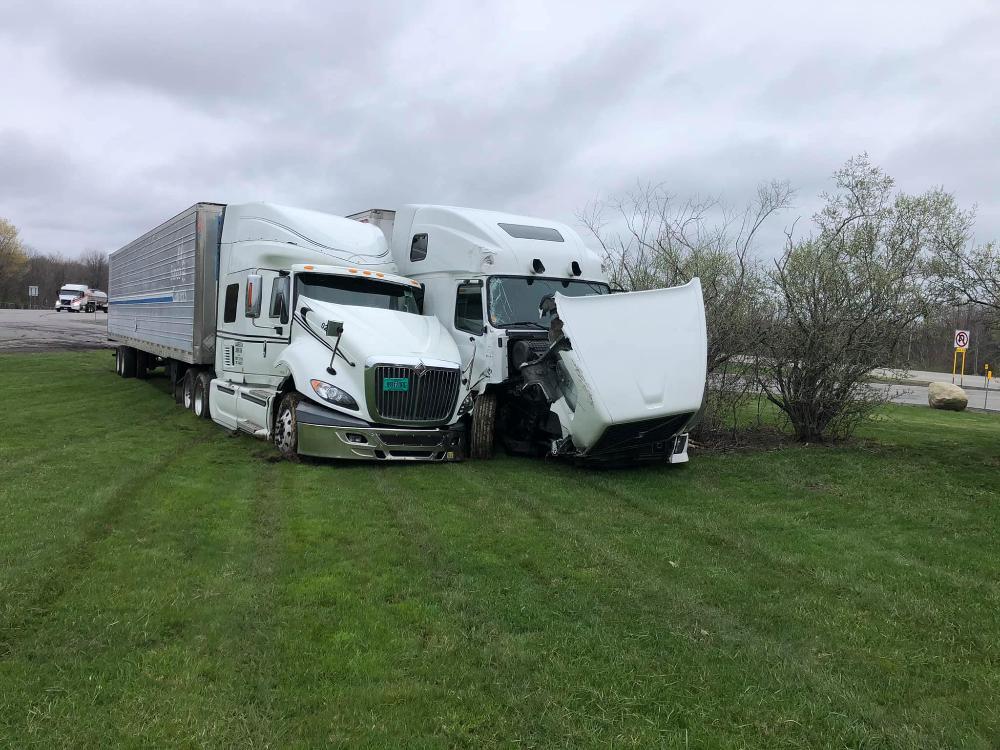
<point x="119" y="114"/>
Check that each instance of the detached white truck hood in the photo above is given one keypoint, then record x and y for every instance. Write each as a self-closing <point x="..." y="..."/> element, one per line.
<point x="636" y="357"/>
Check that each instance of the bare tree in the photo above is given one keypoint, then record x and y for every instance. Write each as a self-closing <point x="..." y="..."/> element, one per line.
<point x="845" y="298"/>
<point x="95" y="269"/>
<point x="651" y="240"/>
<point x="962" y="273"/>
<point x="13" y="261"/>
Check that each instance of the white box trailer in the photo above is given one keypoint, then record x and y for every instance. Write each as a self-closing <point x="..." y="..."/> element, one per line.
<point x="163" y="286"/>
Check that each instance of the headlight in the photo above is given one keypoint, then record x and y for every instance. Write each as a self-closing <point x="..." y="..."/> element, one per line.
<point x="333" y="394"/>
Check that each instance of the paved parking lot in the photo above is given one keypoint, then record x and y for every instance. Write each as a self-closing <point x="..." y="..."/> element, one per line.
<point x="47" y="330"/>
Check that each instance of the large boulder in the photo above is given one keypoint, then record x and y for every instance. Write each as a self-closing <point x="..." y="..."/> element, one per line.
<point x="946" y="396"/>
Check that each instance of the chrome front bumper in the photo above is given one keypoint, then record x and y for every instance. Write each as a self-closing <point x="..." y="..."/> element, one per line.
<point x="329" y="434"/>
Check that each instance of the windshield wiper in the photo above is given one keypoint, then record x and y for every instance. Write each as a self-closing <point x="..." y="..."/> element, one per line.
<point x="527" y="323"/>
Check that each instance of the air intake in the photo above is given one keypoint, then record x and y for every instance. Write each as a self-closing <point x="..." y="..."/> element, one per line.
<point x="537" y="266"/>
<point x="574" y="268"/>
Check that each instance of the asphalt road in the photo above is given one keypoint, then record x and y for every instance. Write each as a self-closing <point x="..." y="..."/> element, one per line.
<point x="917" y="394"/>
<point x="47" y="330"/>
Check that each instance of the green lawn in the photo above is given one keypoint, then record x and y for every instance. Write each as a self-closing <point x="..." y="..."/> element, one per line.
<point x="164" y="583"/>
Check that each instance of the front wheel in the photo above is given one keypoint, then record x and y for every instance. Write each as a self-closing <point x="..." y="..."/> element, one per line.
<point x="484" y="422"/>
<point x="286" y="427"/>
<point x="125" y="361"/>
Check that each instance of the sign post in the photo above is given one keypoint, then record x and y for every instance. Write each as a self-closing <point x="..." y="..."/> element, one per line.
<point x="961" y="346"/>
<point x="989" y="377"/>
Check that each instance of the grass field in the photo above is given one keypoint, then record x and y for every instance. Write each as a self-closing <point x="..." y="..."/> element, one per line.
<point x="164" y="583"/>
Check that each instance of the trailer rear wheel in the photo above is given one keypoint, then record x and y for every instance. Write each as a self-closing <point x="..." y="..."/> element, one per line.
<point x="142" y="364"/>
<point x="286" y="428"/>
<point x="126" y="361"/>
<point x="484" y="421"/>
<point x="202" y="387"/>
<point x="187" y="389"/>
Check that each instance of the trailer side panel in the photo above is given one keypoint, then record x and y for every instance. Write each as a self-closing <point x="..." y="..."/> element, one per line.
<point x="162" y="287"/>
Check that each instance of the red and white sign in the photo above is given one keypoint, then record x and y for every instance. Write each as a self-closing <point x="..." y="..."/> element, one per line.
<point x="961" y="339"/>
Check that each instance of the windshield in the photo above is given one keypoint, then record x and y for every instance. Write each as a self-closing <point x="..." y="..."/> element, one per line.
<point x="515" y="299"/>
<point x="73" y="293"/>
<point x="360" y="292"/>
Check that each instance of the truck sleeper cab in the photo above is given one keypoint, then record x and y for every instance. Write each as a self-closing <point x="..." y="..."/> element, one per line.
<point x="292" y="326"/>
<point x="556" y="363"/>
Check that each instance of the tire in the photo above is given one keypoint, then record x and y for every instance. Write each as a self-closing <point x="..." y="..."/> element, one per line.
<point x="143" y="364"/>
<point x="178" y="389"/>
<point x="285" y="434"/>
<point x="483" y="431"/>
<point x="187" y="389"/>
<point x="127" y="359"/>
<point x="202" y="389"/>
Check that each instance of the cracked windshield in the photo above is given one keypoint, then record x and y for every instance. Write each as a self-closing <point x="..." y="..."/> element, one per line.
<point x="514" y="300"/>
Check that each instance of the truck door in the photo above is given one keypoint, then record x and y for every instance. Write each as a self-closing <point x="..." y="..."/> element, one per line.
<point x="467" y="323"/>
<point x="252" y="333"/>
<point x="267" y="333"/>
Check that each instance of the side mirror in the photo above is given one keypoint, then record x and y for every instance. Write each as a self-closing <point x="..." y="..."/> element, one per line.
<point x="334" y="329"/>
<point x="254" y="294"/>
<point x="279" y="298"/>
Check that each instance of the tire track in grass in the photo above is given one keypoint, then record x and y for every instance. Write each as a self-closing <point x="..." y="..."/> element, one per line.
<point x="468" y="620"/>
<point x="559" y="637"/>
<point x="256" y="645"/>
<point x="94" y="528"/>
<point x="875" y="717"/>
<point x="525" y="641"/>
<point x="726" y="624"/>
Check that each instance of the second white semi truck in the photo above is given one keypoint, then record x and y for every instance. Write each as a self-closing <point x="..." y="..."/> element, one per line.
<point x="80" y="298"/>
<point x="557" y="364"/>
<point x="293" y="326"/>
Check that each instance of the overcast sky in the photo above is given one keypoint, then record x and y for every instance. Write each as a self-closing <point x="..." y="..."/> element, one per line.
<point x="116" y="115"/>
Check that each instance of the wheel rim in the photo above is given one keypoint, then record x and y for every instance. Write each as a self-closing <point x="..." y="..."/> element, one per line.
<point x="187" y="397"/>
<point x="199" y="401"/>
<point x="284" y="433"/>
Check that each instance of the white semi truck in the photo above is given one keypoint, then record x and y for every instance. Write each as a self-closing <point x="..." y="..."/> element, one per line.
<point x="556" y="363"/>
<point x="293" y="326"/>
<point x="80" y="298"/>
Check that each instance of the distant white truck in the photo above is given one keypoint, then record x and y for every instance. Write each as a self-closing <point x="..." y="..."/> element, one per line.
<point x="557" y="364"/>
<point x="293" y="326"/>
<point x="80" y="298"/>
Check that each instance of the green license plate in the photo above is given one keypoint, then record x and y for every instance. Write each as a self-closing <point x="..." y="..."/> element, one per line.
<point x="396" y="384"/>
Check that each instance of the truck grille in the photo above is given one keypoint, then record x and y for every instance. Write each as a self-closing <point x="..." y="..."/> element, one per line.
<point x="430" y="393"/>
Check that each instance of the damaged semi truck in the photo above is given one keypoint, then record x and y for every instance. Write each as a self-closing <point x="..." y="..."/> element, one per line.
<point x="556" y="363"/>
<point x="293" y="326"/>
